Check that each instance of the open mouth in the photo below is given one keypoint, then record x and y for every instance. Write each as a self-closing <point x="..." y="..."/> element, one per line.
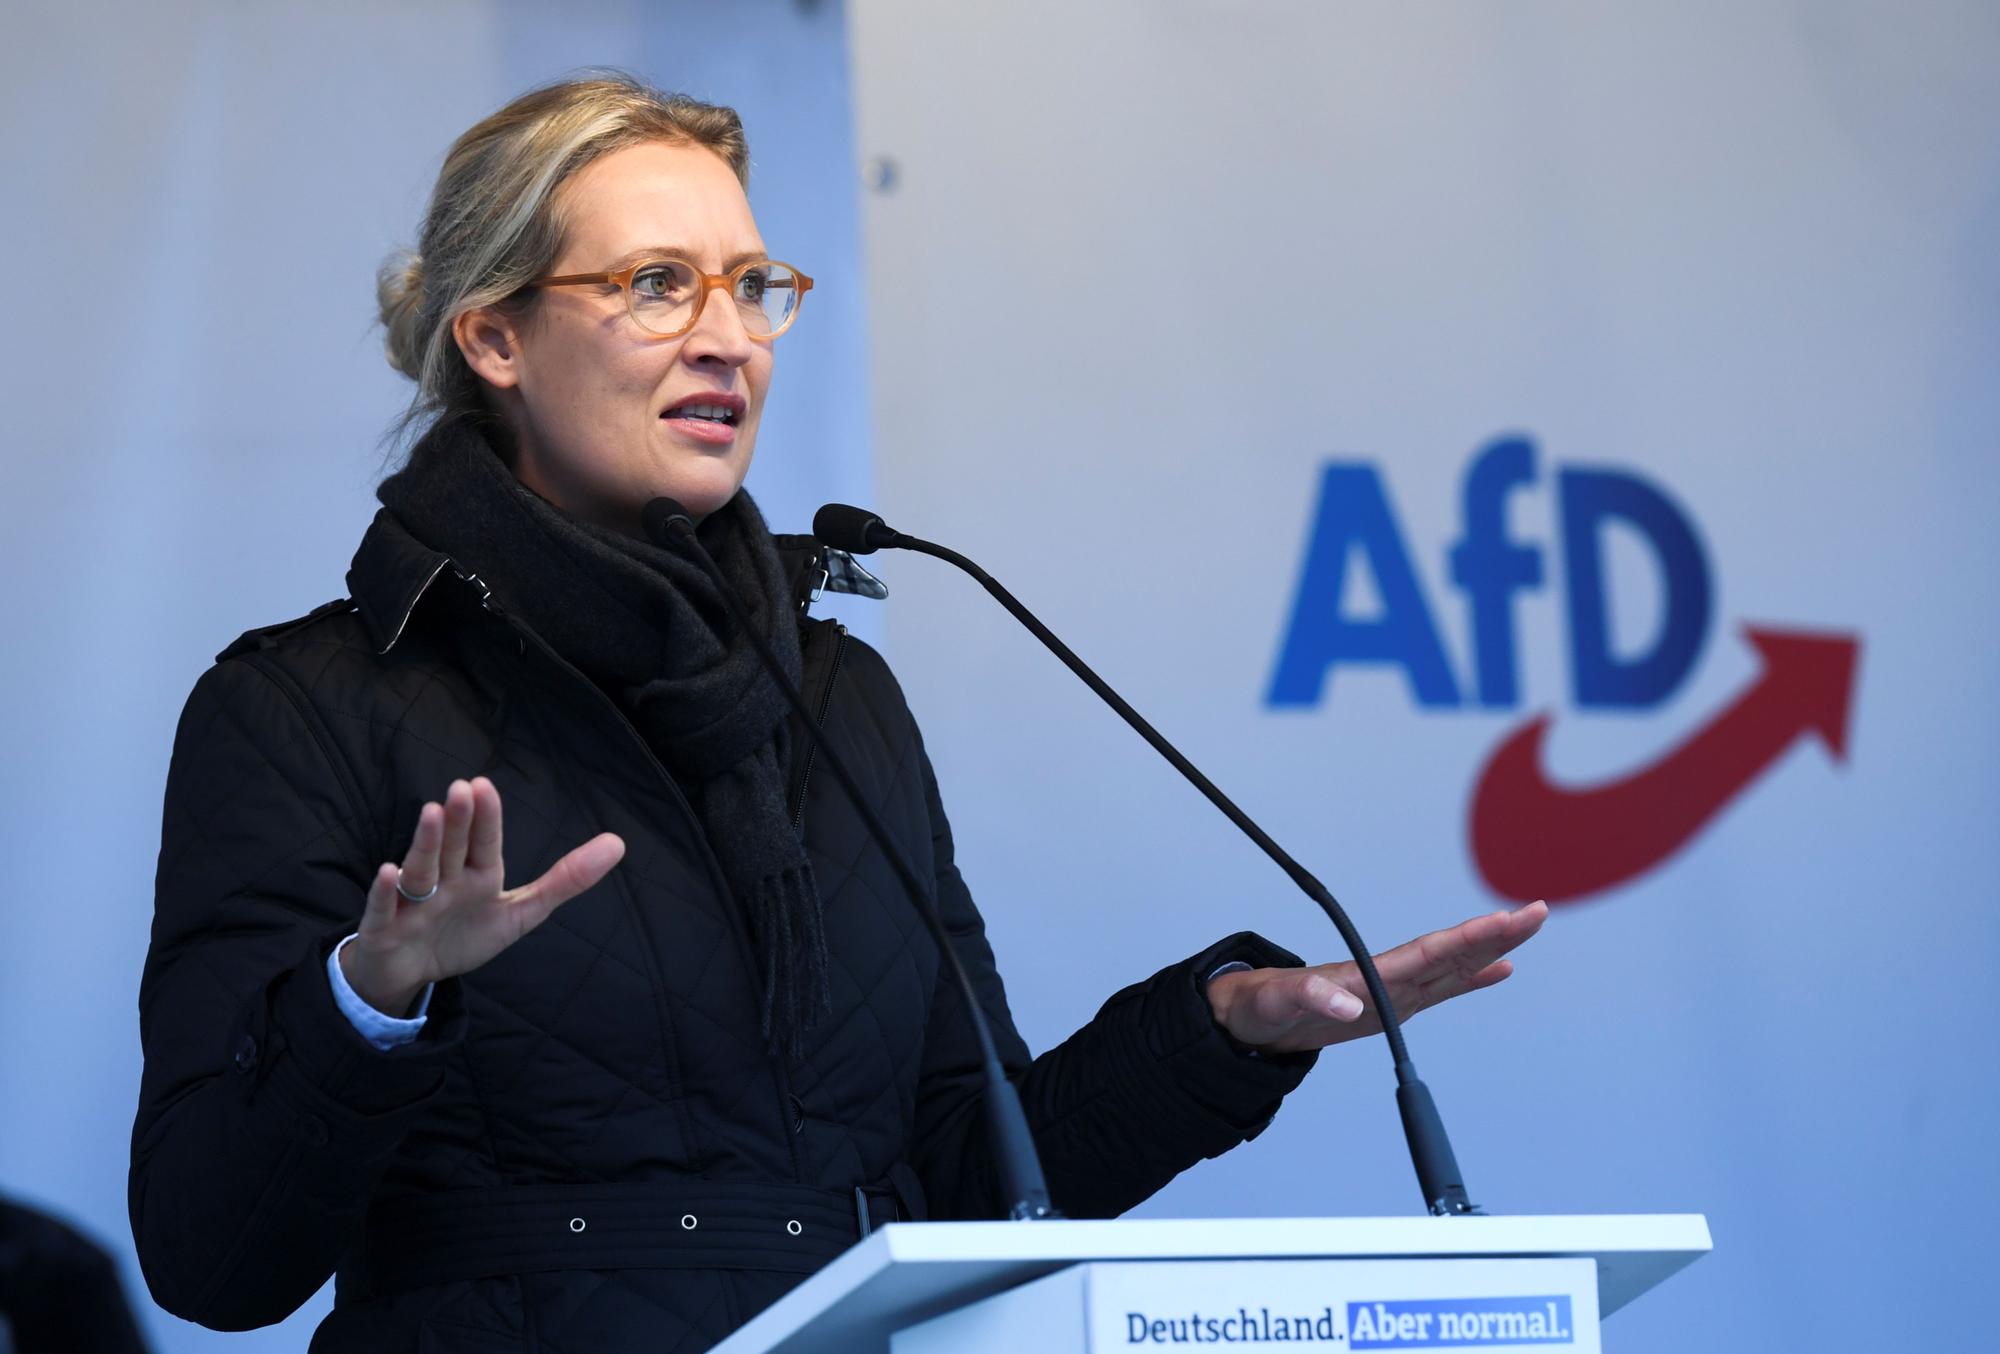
<point x="714" y="409"/>
<point x="705" y="413"/>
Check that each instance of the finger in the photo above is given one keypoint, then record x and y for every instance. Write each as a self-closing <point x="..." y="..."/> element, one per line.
<point x="1439" y="965"/>
<point x="1526" y="921"/>
<point x="1465" y="948"/>
<point x="1419" y="959"/>
<point x="1457" y="984"/>
<point x="457" y="829"/>
<point x="419" y="873"/>
<point x="482" y="848"/>
<point x="1498" y="932"/>
<point x="571" y="875"/>
<point x="379" y="909"/>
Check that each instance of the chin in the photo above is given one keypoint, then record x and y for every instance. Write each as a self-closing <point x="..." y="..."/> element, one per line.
<point x="701" y="494"/>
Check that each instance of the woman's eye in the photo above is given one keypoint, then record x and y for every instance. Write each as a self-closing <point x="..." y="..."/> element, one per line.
<point x="657" y="284"/>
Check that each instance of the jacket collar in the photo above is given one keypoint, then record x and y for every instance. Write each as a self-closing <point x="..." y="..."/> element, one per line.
<point x="390" y="572"/>
<point x="393" y="569"/>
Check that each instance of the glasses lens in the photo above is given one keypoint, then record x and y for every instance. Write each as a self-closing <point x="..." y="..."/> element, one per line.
<point x="766" y="296"/>
<point x="663" y="295"/>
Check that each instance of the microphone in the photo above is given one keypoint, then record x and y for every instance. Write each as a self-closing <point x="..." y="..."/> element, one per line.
<point x="663" y="518"/>
<point x="859" y="532"/>
<point x="667" y="522"/>
<point x="855" y="530"/>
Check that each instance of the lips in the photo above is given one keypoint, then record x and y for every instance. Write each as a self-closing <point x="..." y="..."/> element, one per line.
<point x="714" y="407"/>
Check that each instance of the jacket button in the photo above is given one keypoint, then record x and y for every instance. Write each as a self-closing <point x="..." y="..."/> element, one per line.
<point x="313" y="1129"/>
<point x="246" y="1054"/>
<point x="798" y="1113"/>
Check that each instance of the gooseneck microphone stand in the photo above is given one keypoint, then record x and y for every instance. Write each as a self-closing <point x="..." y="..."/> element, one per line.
<point x="860" y="532"/>
<point x="1021" y="1179"/>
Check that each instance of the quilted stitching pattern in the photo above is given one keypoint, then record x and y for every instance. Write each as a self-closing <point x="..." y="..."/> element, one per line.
<point x="619" y="1041"/>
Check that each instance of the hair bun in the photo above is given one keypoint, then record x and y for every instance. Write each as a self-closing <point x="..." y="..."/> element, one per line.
<point x="399" y="302"/>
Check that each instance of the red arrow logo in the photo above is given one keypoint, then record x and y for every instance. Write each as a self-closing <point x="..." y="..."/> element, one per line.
<point x="1532" y="839"/>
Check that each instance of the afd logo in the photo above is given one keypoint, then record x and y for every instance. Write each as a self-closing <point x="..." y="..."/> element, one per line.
<point x="1532" y="838"/>
<point x="1437" y="1323"/>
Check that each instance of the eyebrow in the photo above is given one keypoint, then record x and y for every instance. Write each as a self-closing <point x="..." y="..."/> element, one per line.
<point x="630" y="257"/>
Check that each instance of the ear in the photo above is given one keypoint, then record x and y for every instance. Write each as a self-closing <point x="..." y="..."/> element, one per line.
<point x="491" y="343"/>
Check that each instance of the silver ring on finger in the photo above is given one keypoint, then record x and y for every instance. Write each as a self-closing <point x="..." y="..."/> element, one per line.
<point x="409" y="897"/>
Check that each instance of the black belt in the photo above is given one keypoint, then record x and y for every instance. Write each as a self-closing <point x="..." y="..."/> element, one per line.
<point x="519" y="1229"/>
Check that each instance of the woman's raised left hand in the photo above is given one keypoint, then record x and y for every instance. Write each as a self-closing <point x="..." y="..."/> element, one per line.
<point x="1288" y="1010"/>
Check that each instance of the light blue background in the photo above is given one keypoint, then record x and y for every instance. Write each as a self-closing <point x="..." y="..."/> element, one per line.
<point x="1746" y="251"/>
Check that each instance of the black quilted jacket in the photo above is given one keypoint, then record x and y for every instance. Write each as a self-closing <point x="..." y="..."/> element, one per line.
<point x="588" y="1149"/>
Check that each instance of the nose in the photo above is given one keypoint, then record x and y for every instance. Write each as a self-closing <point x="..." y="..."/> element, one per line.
<point x="718" y="336"/>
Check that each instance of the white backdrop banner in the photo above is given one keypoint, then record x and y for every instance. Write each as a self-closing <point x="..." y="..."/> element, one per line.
<point x="1520" y="451"/>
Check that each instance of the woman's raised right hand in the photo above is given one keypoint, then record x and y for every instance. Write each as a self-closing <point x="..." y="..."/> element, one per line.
<point x="402" y="946"/>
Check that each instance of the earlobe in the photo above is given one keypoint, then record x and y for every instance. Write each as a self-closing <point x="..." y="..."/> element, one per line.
<point x="491" y="345"/>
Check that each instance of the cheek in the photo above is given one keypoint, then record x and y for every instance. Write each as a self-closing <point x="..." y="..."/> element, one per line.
<point x="757" y="375"/>
<point x="604" y="415"/>
<point x="634" y="378"/>
<point x="588" y="381"/>
<point x="616" y="396"/>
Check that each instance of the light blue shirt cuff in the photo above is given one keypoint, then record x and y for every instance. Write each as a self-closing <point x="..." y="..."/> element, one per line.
<point x="384" y="1032"/>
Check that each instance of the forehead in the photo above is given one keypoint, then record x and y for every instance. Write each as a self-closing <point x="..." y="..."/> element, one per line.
<point x="655" y="194"/>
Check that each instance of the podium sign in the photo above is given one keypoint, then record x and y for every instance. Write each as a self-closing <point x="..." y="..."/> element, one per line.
<point x="1100" y="1307"/>
<point x="1378" y="1283"/>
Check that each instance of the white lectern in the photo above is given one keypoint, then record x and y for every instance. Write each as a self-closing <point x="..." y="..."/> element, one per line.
<point x="1356" y="1283"/>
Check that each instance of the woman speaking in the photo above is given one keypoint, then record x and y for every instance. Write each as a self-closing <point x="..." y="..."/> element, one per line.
<point x="618" y="1076"/>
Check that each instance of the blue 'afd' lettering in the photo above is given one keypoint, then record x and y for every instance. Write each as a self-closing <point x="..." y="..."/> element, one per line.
<point x="1591" y="498"/>
<point x="1354" y="530"/>
<point x="1354" y="518"/>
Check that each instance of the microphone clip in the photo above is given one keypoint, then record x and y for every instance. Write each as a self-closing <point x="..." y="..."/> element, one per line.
<point x="817" y="568"/>
<point x="843" y="573"/>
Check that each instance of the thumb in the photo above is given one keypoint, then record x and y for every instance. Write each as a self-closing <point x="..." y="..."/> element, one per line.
<point x="1318" y="994"/>
<point x="575" y="872"/>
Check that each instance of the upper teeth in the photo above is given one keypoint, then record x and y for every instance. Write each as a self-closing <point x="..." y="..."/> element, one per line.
<point x="705" y="410"/>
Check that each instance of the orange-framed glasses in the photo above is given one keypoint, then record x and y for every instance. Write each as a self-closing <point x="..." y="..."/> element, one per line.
<point x="665" y="295"/>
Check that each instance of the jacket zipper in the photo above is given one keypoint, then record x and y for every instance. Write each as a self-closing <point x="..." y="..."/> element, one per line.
<point x="819" y="722"/>
<point x="780" y="1073"/>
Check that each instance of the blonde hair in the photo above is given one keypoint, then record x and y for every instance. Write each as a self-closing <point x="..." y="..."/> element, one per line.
<point x="494" y="224"/>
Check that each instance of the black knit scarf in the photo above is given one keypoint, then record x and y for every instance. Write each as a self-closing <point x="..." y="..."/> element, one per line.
<point x="646" y="625"/>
